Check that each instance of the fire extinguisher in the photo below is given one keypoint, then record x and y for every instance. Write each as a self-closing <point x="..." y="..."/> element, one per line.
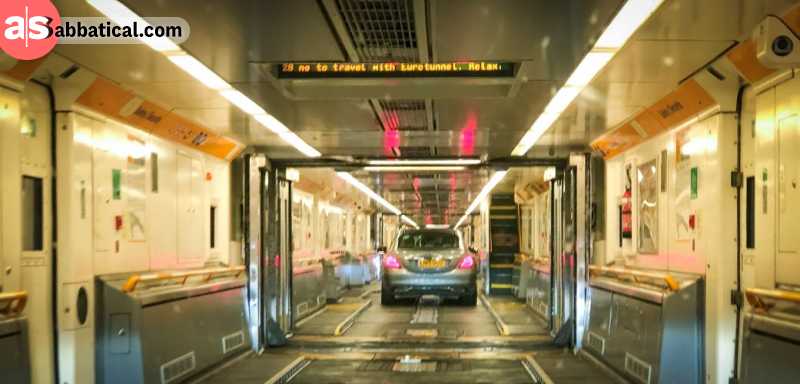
<point x="626" y="216"/>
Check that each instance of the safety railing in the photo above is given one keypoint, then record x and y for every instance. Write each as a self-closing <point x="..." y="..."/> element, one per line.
<point x="756" y="297"/>
<point x="637" y="275"/>
<point x="13" y="303"/>
<point x="182" y="276"/>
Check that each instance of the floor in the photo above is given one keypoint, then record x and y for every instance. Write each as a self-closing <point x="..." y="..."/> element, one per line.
<point x="360" y="341"/>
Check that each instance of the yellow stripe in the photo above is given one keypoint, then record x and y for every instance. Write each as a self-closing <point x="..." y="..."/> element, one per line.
<point x="503" y="216"/>
<point x="501" y="266"/>
<point x="502" y="286"/>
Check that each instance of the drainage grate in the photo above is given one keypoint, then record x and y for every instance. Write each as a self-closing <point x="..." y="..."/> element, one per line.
<point x="232" y="342"/>
<point x="420" y="366"/>
<point x="422" y="332"/>
<point x="638" y="368"/>
<point x="381" y="30"/>
<point x="177" y="368"/>
<point x="596" y="342"/>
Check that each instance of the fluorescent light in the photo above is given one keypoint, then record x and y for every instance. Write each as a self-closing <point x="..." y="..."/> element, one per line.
<point x="122" y="15"/>
<point x="409" y="221"/>
<point x="632" y="15"/>
<point x="591" y="64"/>
<point x="299" y="144"/>
<point x="539" y="127"/>
<point x="437" y="226"/>
<point x="388" y="168"/>
<point x="549" y="173"/>
<point x="562" y="100"/>
<point x="426" y="162"/>
<point x="199" y="71"/>
<point x="493" y="181"/>
<point x="242" y="102"/>
<point x="271" y="123"/>
<point x="629" y="18"/>
<point x="363" y="188"/>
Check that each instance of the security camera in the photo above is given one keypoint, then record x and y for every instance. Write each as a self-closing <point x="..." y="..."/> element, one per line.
<point x="776" y="44"/>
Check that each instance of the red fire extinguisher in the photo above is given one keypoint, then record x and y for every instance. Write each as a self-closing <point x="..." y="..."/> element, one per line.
<point x="626" y="216"/>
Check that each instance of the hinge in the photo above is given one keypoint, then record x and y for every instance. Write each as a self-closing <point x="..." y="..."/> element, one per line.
<point x="737" y="179"/>
<point x="737" y="298"/>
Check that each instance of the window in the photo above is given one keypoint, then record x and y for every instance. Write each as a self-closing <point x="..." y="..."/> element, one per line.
<point x="32" y="214"/>
<point x="213" y="227"/>
<point x="428" y="240"/>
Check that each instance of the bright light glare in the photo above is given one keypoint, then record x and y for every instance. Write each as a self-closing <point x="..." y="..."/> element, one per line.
<point x="542" y="123"/>
<point x="493" y="181"/>
<point x="409" y="221"/>
<point x="299" y="144"/>
<point x="122" y="15"/>
<point x="387" y="168"/>
<point x="562" y="100"/>
<point x="243" y="102"/>
<point x="271" y="123"/>
<point x="629" y="18"/>
<point x="591" y="64"/>
<point x="437" y="226"/>
<point x="372" y="195"/>
<point x="632" y="15"/>
<point x="199" y="71"/>
<point x="426" y="162"/>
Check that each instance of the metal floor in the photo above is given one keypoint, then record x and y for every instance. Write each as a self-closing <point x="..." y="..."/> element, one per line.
<point x="360" y="341"/>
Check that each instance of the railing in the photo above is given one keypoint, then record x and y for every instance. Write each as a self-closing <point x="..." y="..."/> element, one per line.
<point x="133" y="281"/>
<point x="13" y="303"/>
<point x="756" y="296"/>
<point x="670" y="281"/>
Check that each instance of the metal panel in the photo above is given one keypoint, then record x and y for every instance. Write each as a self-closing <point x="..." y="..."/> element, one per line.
<point x="166" y="334"/>
<point x="14" y="349"/>
<point x="767" y="355"/>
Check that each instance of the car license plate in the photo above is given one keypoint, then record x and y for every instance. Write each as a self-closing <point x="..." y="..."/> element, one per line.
<point x="431" y="264"/>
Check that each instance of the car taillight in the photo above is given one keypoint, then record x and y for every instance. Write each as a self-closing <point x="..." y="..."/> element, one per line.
<point x="467" y="262"/>
<point x="391" y="262"/>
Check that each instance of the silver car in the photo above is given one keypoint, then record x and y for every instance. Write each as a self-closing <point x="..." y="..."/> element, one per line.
<point x="428" y="261"/>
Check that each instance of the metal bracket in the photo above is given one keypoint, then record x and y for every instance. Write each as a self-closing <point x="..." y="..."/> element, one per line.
<point x="737" y="298"/>
<point x="737" y="179"/>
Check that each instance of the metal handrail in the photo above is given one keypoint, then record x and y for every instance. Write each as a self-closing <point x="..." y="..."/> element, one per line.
<point x="13" y="303"/>
<point x="133" y="281"/>
<point x="756" y="296"/>
<point x="669" y="280"/>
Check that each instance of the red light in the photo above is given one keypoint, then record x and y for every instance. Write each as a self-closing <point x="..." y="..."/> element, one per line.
<point x="391" y="262"/>
<point x="467" y="262"/>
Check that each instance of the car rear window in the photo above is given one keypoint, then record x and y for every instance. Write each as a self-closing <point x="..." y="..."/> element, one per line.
<point x="427" y="240"/>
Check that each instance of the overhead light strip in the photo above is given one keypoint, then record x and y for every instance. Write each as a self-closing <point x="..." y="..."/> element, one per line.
<point x="414" y="168"/>
<point x="629" y="18"/>
<point x="369" y="192"/>
<point x="122" y="15"/>
<point x="493" y="181"/>
<point x="425" y="162"/>
<point x="408" y="221"/>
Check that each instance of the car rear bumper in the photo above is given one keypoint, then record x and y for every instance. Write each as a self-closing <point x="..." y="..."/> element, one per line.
<point x="452" y="284"/>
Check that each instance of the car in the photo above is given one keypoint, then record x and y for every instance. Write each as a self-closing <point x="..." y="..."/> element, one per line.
<point x="429" y="262"/>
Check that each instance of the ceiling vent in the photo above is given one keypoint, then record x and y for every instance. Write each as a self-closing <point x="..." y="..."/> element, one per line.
<point x="404" y="115"/>
<point x="381" y="30"/>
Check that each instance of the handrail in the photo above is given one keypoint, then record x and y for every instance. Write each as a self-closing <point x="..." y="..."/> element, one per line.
<point x="755" y="296"/>
<point x="133" y="281"/>
<point x="669" y="280"/>
<point x="13" y="303"/>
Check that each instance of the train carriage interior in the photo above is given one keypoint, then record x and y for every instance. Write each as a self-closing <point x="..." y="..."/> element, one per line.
<point x="399" y="191"/>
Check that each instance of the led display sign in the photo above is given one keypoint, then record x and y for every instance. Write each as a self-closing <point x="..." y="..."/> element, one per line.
<point x="379" y="70"/>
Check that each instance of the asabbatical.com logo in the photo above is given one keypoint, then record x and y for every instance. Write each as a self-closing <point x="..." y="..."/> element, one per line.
<point x="27" y="28"/>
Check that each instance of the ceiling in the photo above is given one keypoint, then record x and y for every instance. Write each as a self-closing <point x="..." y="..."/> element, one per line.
<point x="243" y="41"/>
